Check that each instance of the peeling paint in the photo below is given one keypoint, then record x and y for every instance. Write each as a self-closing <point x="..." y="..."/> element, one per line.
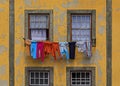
<point x="70" y="4"/>
<point x="3" y="1"/>
<point x="2" y="69"/>
<point x="4" y="83"/>
<point x="28" y="2"/>
<point x="1" y="9"/>
<point x="18" y="59"/>
<point x="2" y="36"/>
<point x="101" y="30"/>
<point x="2" y="49"/>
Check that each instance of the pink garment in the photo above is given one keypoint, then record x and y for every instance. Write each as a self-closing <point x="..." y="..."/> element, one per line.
<point x="40" y="51"/>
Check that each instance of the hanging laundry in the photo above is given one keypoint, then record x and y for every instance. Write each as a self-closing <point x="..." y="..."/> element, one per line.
<point x="40" y="51"/>
<point x="33" y="49"/>
<point x="55" y="48"/>
<point x="81" y="46"/>
<point x="89" y="49"/>
<point x="47" y="48"/>
<point x="27" y="46"/>
<point x="72" y="50"/>
<point x="63" y="49"/>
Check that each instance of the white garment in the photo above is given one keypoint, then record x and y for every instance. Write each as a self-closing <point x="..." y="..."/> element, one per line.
<point x="81" y="46"/>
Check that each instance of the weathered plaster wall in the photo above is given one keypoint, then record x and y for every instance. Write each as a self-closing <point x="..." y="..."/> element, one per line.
<point x="116" y="42"/>
<point x="60" y="8"/>
<point x="4" y="43"/>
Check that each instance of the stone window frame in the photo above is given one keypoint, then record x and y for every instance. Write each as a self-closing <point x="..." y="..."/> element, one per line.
<point x="50" y="12"/>
<point x="28" y="69"/>
<point x="69" y="69"/>
<point x="93" y="15"/>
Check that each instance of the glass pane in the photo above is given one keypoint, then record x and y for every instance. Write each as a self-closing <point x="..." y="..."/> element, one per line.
<point x="36" y="81"/>
<point x="32" y="81"/>
<point x="32" y="75"/>
<point x="32" y="18"/>
<point x="78" y="75"/>
<point x="37" y="75"/>
<point x="46" y="75"/>
<point x="87" y="75"/>
<point x="73" y="75"/>
<point x="83" y="75"/>
<point x="41" y="81"/>
<point x="41" y="75"/>
<point x="32" y="25"/>
<point x="46" y="81"/>
<point x="74" y="18"/>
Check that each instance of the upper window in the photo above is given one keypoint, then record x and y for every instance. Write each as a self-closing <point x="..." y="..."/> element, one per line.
<point x="81" y="25"/>
<point x="38" y="25"/>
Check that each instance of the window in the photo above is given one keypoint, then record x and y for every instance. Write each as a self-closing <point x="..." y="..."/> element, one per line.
<point x="82" y="25"/>
<point x="80" y="76"/>
<point x="39" y="76"/>
<point x="38" y="25"/>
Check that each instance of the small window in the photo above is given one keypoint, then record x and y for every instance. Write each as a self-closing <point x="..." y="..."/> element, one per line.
<point x="81" y="27"/>
<point x="80" y="76"/>
<point x="39" y="26"/>
<point x="39" y="76"/>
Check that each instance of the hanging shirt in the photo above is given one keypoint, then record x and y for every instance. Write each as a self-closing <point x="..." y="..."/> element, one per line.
<point x="40" y="51"/>
<point x="72" y="50"/>
<point x="63" y="49"/>
<point x="81" y="46"/>
<point x="89" y="49"/>
<point x="33" y="49"/>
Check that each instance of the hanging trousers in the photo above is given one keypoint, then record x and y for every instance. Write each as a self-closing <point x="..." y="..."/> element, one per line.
<point x="33" y="49"/>
<point x="72" y="50"/>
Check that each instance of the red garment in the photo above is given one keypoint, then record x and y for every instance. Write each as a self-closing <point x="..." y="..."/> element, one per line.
<point x="55" y="48"/>
<point x="47" y="48"/>
<point x="40" y="51"/>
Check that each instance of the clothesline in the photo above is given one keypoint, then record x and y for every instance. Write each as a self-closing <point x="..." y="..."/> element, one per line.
<point x="77" y="45"/>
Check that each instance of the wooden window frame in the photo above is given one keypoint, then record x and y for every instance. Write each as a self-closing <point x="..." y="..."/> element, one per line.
<point x="29" y="69"/>
<point x="93" y="25"/>
<point x="71" y="23"/>
<point x="47" y="29"/>
<point x="37" y="12"/>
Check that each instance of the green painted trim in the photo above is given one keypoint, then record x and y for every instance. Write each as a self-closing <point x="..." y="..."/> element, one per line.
<point x="93" y="12"/>
<point x="28" y="69"/>
<point x="11" y="42"/>
<point x="109" y="42"/>
<point x="50" y="12"/>
<point x="69" y="69"/>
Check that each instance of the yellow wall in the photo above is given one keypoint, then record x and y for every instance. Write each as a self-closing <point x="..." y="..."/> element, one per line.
<point x="60" y="8"/>
<point x="116" y="42"/>
<point x="4" y="43"/>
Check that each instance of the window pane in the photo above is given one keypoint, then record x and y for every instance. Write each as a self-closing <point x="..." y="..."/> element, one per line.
<point x="41" y="81"/>
<point x="46" y="75"/>
<point x="37" y="75"/>
<point x="41" y="75"/>
<point x="32" y="75"/>
<point x="46" y="81"/>
<point x="37" y="81"/>
<point x="73" y="75"/>
<point x="32" y="81"/>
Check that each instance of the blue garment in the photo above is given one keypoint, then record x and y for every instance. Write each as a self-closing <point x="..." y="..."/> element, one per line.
<point x="63" y="49"/>
<point x="33" y="50"/>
